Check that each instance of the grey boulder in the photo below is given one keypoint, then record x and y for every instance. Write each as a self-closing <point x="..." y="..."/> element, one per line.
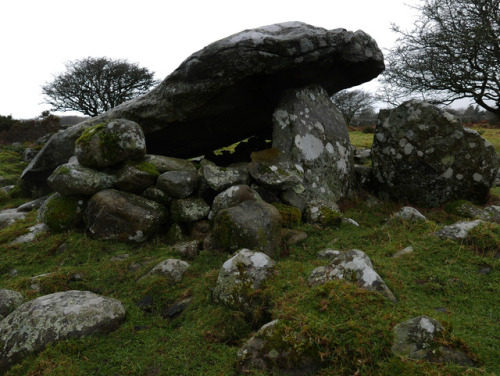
<point x="423" y="155"/>
<point x="72" y="179"/>
<point x="107" y="144"/>
<point x="178" y="184"/>
<point x="459" y="230"/>
<point x="233" y="196"/>
<point x="409" y="214"/>
<point x="123" y="216"/>
<point x="171" y="269"/>
<point x="251" y="224"/>
<point x="51" y="318"/>
<point x="418" y="338"/>
<point x="353" y="266"/>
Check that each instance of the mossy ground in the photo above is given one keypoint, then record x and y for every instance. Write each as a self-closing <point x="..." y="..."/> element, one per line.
<point x="349" y="328"/>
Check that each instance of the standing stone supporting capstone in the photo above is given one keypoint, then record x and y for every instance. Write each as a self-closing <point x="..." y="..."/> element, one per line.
<point x="228" y="91"/>
<point x="423" y="155"/>
<point x="312" y="132"/>
<point x="55" y="317"/>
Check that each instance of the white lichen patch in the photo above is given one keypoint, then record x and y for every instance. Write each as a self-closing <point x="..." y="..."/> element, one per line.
<point x="472" y="145"/>
<point x="477" y="177"/>
<point x="448" y="173"/>
<point x="403" y="142"/>
<point x="451" y="118"/>
<point x="408" y="148"/>
<point x="459" y="176"/>
<point x="310" y="146"/>
<point x="282" y="118"/>
<point x="380" y="137"/>
<point x="420" y="153"/>
<point x="319" y="126"/>
<point x="329" y="148"/>
<point x="427" y="325"/>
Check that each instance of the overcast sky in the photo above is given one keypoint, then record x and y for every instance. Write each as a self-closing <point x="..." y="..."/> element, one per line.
<point x="39" y="36"/>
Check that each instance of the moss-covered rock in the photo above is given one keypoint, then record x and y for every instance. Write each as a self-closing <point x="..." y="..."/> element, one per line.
<point x="251" y="224"/>
<point x="107" y="144"/>
<point x="326" y="214"/>
<point x="419" y="338"/>
<point x="62" y="213"/>
<point x="290" y="215"/>
<point x="136" y="177"/>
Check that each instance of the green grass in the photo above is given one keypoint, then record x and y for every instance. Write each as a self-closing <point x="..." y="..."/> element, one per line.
<point x="361" y="140"/>
<point x="350" y="328"/>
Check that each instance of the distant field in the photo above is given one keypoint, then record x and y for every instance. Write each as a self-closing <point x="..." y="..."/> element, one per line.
<point x="364" y="140"/>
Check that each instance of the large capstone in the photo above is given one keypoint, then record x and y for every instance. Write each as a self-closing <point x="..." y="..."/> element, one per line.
<point x="51" y="318"/>
<point x="228" y="91"/>
<point x="312" y="132"/>
<point x="111" y="214"/>
<point x="423" y="155"/>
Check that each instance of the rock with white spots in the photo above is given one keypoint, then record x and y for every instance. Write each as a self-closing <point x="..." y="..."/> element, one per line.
<point x="188" y="210"/>
<point x="419" y="339"/>
<point x="310" y="130"/>
<point x="240" y="277"/>
<point x="72" y="179"/>
<point x="233" y="196"/>
<point x="109" y="143"/>
<point x="171" y="269"/>
<point x="271" y="352"/>
<point x="353" y="266"/>
<point x="221" y="178"/>
<point x="123" y="216"/>
<point x="423" y="155"/>
<point x="227" y="91"/>
<point x="459" y="230"/>
<point x="52" y="318"/>
<point x="409" y="214"/>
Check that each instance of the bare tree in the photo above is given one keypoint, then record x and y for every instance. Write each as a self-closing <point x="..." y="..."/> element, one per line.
<point x="95" y="85"/>
<point x="453" y="52"/>
<point x="352" y="102"/>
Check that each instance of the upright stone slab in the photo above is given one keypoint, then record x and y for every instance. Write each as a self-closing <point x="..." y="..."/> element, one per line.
<point x="423" y="155"/>
<point x="309" y="128"/>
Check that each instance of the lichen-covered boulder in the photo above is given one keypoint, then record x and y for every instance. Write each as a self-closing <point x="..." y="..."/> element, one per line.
<point x="273" y="169"/>
<point x="235" y="81"/>
<point x="123" y="216"/>
<point x="418" y="338"/>
<point x="72" y="179"/>
<point x="221" y="178"/>
<point x="252" y="224"/>
<point x="51" y="318"/>
<point x="136" y="177"/>
<point x="187" y="210"/>
<point x="459" y="230"/>
<point x="270" y="352"/>
<point x="109" y="143"/>
<point x="240" y="277"/>
<point x="423" y="155"/>
<point x="323" y="213"/>
<point x="62" y="213"/>
<point x="312" y="132"/>
<point x="178" y="184"/>
<point x="233" y="196"/>
<point x="353" y="266"/>
<point x="9" y="300"/>
<point x="409" y="214"/>
<point x="171" y="269"/>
